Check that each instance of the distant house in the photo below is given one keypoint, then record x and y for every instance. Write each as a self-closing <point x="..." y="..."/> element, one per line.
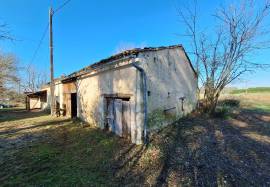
<point x="130" y="93"/>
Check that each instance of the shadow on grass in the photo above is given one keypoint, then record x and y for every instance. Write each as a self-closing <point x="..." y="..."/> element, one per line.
<point x="18" y="114"/>
<point x="194" y="151"/>
<point x="211" y="152"/>
<point x="201" y="151"/>
<point x="39" y="125"/>
<point x="72" y="155"/>
<point x="258" y="110"/>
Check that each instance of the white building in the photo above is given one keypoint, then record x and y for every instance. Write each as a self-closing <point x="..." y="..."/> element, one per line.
<point x="131" y="93"/>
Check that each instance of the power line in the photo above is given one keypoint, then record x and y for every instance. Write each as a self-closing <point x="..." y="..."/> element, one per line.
<point x="51" y="13"/>
<point x="45" y="31"/>
<point x="61" y="6"/>
<point x="39" y="43"/>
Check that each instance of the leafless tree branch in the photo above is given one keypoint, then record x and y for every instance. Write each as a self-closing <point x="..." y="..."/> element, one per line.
<point x="222" y="56"/>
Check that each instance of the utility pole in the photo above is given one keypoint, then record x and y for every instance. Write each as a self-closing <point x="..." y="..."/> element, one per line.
<point x="51" y="63"/>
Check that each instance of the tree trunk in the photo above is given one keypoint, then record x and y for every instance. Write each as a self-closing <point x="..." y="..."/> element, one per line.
<point x="211" y="97"/>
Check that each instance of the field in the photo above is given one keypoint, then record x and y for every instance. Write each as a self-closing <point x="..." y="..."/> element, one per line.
<point x="252" y="101"/>
<point x="38" y="150"/>
<point x="258" y="90"/>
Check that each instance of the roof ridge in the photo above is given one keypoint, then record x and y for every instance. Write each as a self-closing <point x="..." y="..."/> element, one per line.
<point x="120" y="55"/>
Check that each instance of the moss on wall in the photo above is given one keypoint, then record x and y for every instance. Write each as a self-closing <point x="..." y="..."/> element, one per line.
<point x="158" y="119"/>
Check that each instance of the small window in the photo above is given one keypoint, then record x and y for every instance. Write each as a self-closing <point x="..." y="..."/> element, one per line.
<point x="148" y="93"/>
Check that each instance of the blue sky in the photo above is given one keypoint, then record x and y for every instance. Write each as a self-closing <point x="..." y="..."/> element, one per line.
<point x="87" y="31"/>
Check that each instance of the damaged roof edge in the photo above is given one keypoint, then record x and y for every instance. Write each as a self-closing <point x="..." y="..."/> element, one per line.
<point x="118" y="56"/>
<point x="124" y="54"/>
<point x="37" y="93"/>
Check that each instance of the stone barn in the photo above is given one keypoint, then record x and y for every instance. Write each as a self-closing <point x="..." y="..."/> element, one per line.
<point x="133" y="92"/>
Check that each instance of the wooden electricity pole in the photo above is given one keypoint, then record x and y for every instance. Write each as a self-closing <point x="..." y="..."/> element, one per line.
<point x="51" y="63"/>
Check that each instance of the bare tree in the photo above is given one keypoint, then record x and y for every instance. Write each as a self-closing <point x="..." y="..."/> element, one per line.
<point x="33" y="78"/>
<point x="8" y="71"/>
<point x="4" y="33"/>
<point x="8" y="67"/>
<point x="222" y="55"/>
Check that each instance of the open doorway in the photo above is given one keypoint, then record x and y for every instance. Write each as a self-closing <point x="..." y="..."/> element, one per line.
<point x="73" y="105"/>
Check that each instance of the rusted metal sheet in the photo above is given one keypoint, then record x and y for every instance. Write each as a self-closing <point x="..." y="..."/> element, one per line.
<point x="68" y="89"/>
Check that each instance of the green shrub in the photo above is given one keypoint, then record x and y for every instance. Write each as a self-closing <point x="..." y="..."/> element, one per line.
<point x="230" y="103"/>
<point x="222" y="112"/>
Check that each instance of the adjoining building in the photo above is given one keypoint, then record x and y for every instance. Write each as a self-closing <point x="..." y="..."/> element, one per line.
<point x="36" y="100"/>
<point x="131" y="93"/>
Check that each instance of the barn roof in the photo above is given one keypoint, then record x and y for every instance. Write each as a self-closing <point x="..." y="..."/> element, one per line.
<point x="36" y="94"/>
<point x="121" y="55"/>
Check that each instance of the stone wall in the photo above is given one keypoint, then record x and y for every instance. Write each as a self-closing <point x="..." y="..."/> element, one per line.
<point x="169" y="78"/>
<point x="122" y="80"/>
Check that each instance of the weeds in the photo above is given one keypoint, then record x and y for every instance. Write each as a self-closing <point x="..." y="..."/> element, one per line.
<point x="230" y="103"/>
<point x="225" y="108"/>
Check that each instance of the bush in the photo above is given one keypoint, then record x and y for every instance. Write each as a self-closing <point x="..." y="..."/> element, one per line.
<point x="230" y="103"/>
<point x="225" y="106"/>
<point x="222" y="112"/>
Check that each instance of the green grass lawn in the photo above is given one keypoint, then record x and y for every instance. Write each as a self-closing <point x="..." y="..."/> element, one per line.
<point x="11" y="109"/>
<point x="258" y="107"/>
<point x="63" y="153"/>
<point x="79" y="157"/>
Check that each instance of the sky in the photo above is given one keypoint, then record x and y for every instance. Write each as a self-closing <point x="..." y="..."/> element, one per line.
<point x="86" y="31"/>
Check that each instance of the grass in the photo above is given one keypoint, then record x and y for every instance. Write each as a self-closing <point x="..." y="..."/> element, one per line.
<point x="62" y="153"/>
<point x="259" y="107"/>
<point x="11" y="109"/>
<point x="70" y="161"/>
<point x="38" y="150"/>
<point x="252" y="90"/>
<point x="257" y="102"/>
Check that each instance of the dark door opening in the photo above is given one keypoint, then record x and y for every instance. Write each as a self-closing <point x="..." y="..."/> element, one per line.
<point x="73" y="105"/>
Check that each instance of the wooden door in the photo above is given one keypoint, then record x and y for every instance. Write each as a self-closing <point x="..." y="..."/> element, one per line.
<point x="126" y="120"/>
<point x="110" y="114"/>
<point x="118" y="116"/>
